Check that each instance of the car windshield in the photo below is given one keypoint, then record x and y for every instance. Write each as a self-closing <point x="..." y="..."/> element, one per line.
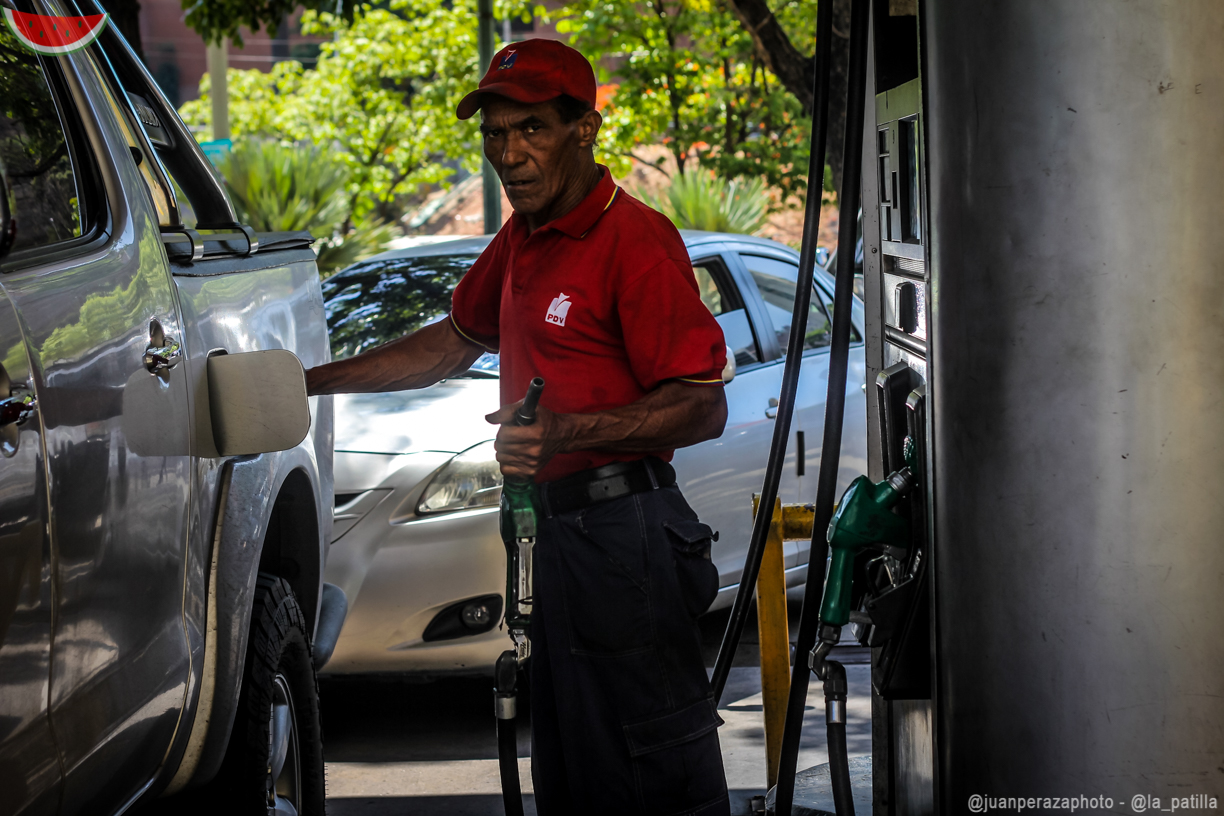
<point x="375" y="302"/>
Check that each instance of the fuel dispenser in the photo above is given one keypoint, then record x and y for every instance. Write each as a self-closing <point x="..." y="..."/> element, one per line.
<point x="1041" y="251"/>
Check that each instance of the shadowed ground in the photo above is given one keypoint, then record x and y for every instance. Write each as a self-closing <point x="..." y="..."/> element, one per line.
<point x="406" y="748"/>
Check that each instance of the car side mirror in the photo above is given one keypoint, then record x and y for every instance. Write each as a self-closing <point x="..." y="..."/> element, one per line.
<point x="728" y="372"/>
<point x="8" y="225"/>
<point x="257" y="402"/>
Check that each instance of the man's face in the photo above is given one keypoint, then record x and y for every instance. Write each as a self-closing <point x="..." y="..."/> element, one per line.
<point x="539" y="158"/>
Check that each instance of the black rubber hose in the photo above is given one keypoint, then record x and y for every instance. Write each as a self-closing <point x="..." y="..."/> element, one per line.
<point x="794" y="353"/>
<point x="835" y="718"/>
<point x="507" y="747"/>
<point x="835" y="405"/>
<point x="505" y="679"/>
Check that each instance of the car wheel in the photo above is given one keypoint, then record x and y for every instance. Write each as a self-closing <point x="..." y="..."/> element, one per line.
<point x="274" y="763"/>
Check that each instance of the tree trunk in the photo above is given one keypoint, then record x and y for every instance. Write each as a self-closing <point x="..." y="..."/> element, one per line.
<point x="797" y="71"/>
<point x="838" y="86"/>
<point x="125" y="16"/>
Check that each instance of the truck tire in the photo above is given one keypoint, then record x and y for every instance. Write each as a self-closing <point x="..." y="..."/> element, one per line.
<point x="274" y="762"/>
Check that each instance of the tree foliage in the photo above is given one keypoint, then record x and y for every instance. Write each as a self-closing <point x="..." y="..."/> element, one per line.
<point x="383" y="94"/>
<point x="218" y="20"/>
<point x="724" y="84"/>
<point x="280" y="187"/>
<point x="784" y="37"/>
<point x="687" y="75"/>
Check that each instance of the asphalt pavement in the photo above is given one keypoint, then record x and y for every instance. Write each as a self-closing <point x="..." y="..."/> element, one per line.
<point x="404" y="747"/>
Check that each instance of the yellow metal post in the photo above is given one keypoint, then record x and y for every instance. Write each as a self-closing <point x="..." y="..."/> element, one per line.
<point x="774" y="636"/>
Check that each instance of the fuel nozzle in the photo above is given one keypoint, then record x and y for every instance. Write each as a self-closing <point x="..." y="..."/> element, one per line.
<point x="864" y="518"/>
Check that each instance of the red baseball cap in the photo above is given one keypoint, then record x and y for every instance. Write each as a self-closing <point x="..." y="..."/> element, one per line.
<point x="533" y="71"/>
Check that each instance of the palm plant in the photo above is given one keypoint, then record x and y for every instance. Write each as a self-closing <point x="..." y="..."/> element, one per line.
<point x="701" y="200"/>
<point x="279" y="187"/>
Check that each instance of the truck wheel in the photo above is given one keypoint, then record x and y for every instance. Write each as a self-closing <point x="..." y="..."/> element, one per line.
<point x="274" y="763"/>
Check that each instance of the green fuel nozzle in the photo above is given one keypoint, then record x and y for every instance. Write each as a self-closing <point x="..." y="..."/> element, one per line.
<point x="520" y="510"/>
<point x="863" y="518"/>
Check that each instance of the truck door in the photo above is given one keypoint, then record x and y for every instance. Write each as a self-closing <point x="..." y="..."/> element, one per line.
<point x="93" y="290"/>
<point x="28" y="762"/>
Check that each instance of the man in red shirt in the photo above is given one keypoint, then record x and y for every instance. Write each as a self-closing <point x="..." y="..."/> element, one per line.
<point x="593" y="291"/>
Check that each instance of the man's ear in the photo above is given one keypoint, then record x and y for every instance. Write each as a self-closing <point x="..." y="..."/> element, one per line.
<point x="588" y="127"/>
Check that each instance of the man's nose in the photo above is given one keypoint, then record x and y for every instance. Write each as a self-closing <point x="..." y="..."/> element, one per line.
<point x="514" y="151"/>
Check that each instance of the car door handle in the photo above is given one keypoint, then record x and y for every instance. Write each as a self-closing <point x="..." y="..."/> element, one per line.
<point x="164" y="357"/>
<point x="772" y="411"/>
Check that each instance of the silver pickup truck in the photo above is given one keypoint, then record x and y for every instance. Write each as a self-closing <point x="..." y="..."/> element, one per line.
<point x="162" y="610"/>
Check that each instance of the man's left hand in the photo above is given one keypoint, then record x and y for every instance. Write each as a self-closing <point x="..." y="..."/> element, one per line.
<point x="524" y="450"/>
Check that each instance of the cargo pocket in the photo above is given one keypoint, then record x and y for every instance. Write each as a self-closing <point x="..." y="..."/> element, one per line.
<point x="677" y="764"/>
<point x="695" y="570"/>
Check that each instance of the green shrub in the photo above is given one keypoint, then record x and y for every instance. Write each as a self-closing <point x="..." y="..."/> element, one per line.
<point x="278" y="187"/>
<point x="701" y="200"/>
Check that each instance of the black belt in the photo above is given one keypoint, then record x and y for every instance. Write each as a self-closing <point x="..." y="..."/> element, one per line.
<point x="601" y="484"/>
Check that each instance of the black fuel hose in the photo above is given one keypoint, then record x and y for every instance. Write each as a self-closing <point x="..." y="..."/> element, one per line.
<point x="835" y="692"/>
<point x="794" y="353"/>
<point x="835" y="404"/>
<point x="505" y="696"/>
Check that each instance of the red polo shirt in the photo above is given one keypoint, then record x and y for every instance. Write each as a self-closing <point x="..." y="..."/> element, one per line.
<point x="601" y="303"/>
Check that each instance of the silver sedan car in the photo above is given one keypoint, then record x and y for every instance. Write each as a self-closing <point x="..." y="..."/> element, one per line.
<point x="416" y="546"/>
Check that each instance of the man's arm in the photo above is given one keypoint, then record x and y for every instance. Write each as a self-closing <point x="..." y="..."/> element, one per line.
<point x="674" y="415"/>
<point x="422" y="358"/>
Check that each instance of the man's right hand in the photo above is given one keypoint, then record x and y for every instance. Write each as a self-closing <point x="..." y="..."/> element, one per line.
<point x="418" y="360"/>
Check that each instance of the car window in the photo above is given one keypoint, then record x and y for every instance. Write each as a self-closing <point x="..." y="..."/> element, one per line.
<point x="723" y="301"/>
<point x="378" y="301"/>
<point x="708" y="288"/>
<point x="34" y="152"/>
<point x="775" y="280"/>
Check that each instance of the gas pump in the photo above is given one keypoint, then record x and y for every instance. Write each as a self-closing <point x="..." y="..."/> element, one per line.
<point x="1018" y="346"/>
<point x="876" y="543"/>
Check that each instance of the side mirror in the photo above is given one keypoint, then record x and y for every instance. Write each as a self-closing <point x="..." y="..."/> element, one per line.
<point x="257" y="401"/>
<point x="728" y="373"/>
<point x="8" y="226"/>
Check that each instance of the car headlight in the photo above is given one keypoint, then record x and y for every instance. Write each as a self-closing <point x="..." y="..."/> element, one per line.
<point x="472" y="479"/>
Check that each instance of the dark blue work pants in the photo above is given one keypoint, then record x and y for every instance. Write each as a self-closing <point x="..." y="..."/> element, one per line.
<point x="623" y="719"/>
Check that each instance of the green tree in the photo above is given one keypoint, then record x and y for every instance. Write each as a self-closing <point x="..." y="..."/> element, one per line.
<point x="689" y="77"/>
<point x="383" y="94"/>
<point x="784" y="38"/>
<point x="218" y="20"/>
